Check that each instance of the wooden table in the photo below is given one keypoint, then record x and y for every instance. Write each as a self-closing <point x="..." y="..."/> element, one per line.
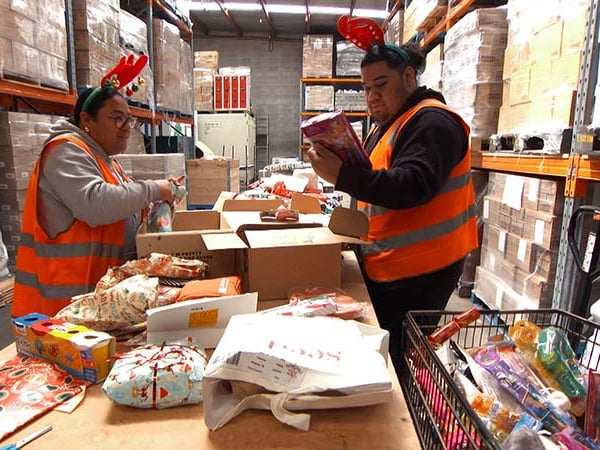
<point x="100" y="424"/>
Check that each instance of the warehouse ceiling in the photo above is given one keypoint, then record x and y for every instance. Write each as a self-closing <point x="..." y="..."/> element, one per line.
<point x="277" y="19"/>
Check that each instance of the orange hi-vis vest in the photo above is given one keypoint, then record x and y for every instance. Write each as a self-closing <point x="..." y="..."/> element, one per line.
<point x="51" y="271"/>
<point x="404" y="243"/>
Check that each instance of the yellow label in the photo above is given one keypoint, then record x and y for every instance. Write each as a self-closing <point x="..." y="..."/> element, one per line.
<point x="206" y="318"/>
<point x="585" y="138"/>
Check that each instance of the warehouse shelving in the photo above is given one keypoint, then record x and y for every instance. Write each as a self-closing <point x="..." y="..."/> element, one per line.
<point x="17" y="95"/>
<point x="161" y="9"/>
<point x="348" y="82"/>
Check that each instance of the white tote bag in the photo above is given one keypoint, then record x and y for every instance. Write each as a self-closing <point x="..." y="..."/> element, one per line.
<point x="287" y="363"/>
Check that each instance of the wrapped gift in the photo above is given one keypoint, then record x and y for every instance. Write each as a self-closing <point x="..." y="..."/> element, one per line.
<point x="158" y="376"/>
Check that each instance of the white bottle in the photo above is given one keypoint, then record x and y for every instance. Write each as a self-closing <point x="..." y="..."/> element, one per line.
<point x="591" y="355"/>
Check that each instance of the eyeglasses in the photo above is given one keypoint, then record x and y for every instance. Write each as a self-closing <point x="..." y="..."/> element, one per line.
<point x="124" y="122"/>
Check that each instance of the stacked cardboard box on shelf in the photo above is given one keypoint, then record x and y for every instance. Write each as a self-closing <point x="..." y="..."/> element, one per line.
<point x="432" y="75"/>
<point x="133" y="37"/>
<point x="522" y="224"/>
<point x="172" y="68"/>
<point x="206" y="64"/>
<point x="318" y="98"/>
<point x="350" y="100"/>
<point x="317" y="55"/>
<point x="347" y="59"/>
<point x="33" y="43"/>
<point x="472" y="72"/>
<point x="96" y="30"/>
<point x="153" y="167"/>
<point x="541" y="65"/>
<point x="22" y="136"/>
<point x="393" y="34"/>
<point x="421" y="15"/>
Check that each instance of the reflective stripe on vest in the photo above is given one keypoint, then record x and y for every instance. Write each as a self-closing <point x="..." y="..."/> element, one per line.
<point x="409" y="242"/>
<point x="51" y="271"/>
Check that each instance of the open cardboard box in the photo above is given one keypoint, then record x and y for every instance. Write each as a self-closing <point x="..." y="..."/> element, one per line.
<point x="271" y="257"/>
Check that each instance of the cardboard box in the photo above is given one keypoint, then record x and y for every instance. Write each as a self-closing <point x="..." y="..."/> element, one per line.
<point x="204" y="319"/>
<point x="271" y="257"/>
<point x="84" y="353"/>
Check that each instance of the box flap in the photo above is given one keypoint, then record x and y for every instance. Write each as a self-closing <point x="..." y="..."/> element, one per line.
<point x="305" y="204"/>
<point x="196" y="220"/>
<point x="349" y="222"/>
<point x="251" y="204"/>
<point x="289" y="237"/>
<point x="240" y="220"/>
<point x="222" y="241"/>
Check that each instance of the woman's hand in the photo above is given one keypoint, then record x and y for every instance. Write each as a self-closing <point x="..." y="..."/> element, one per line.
<point x="166" y="191"/>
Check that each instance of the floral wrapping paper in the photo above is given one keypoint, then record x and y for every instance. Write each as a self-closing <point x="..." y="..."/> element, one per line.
<point x="30" y="387"/>
<point x="158" y="376"/>
<point x="154" y="265"/>
<point x="122" y="305"/>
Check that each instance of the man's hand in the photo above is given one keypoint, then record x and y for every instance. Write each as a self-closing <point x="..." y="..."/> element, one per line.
<point x="325" y="163"/>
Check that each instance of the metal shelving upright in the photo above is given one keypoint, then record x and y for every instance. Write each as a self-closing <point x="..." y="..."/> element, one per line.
<point x="262" y="142"/>
<point x="154" y="117"/>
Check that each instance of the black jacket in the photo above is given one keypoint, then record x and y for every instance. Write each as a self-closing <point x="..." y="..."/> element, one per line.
<point x="429" y="146"/>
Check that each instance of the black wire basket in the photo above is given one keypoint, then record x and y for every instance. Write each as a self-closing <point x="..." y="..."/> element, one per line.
<point x="442" y="416"/>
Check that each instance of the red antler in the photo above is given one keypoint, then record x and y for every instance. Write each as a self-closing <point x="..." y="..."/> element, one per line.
<point x="125" y="71"/>
<point x="362" y="32"/>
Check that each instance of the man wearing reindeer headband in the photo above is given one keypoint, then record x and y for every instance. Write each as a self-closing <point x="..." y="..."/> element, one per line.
<point x="81" y="211"/>
<point x="418" y="194"/>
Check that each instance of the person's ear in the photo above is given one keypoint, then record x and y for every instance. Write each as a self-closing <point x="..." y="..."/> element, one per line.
<point x="410" y="77"/>
<point x="84" y="121"/>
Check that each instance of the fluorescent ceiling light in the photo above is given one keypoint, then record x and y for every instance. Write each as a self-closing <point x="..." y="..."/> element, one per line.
<point x="204" y="5"/>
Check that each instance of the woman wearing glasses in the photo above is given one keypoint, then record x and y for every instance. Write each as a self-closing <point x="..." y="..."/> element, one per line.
<point x="81" y="211"/>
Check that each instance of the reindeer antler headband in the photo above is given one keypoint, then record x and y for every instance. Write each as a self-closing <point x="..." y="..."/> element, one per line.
<point x="365" y="34"/>
<point x="120" y="76"/>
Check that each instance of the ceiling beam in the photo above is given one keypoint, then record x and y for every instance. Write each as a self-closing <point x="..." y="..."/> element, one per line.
<point x="229" y="18"/>
<point x="268" y="19"/>
<point x="307" y="18"/>
<point x="198" y="24"/>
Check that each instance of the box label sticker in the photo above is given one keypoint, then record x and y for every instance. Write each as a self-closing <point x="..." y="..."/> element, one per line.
<point x="538" y="235"/>
<point x="207" y="318"/>
<point x="534" y="190"/>
<point x="501" y="240"/>
<point x="486" y="209"/>
<point x="522" y="250"/>
<point x="513" y="192"/>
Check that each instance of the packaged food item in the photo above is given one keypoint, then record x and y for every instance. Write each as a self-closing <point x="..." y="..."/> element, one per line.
<point x="445" y="332"/>
<point x="333" y="131"/>
<point x="158" y="376"/>
<point x="210" y="288"/>
<point x="346" y="307"/>
<point x="592" y="411"/>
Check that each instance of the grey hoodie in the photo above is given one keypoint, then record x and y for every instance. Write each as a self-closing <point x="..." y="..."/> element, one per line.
<point x="72" y="187"/>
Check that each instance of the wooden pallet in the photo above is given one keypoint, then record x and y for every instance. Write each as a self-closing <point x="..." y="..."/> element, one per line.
<point x="6" y="291"/>
<point x="434" y="17"/>
<point x="14" y="77"/>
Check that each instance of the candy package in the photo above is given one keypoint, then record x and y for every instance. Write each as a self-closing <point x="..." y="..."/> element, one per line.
<point x="333" y="131"/>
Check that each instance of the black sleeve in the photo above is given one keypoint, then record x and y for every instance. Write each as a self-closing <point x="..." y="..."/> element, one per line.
<point x="429" y="146"/>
